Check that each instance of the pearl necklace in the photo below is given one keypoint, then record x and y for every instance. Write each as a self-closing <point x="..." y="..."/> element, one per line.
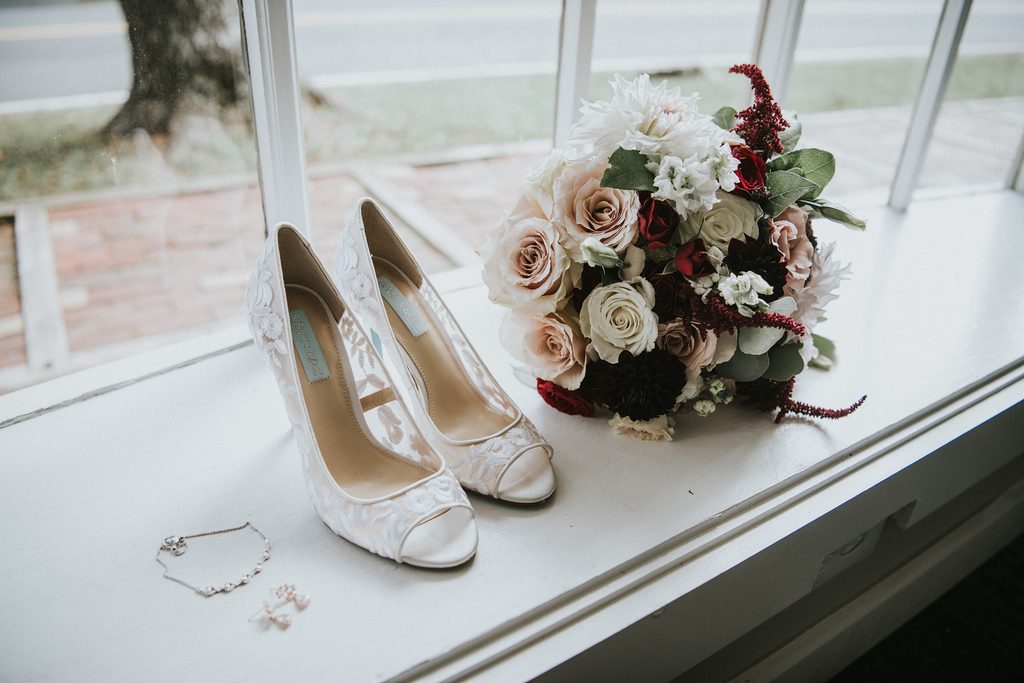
<point x="176" y="545"/>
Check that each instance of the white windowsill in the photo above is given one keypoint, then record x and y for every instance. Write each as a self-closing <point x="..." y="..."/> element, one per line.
<point x="929" y="327"/>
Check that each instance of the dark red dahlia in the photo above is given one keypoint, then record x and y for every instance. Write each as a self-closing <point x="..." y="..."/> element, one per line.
<point x="761" y="257"/>
<point x="760" y="123"/>
<point x="639" y="387"/>
<point x="564" y="400"/>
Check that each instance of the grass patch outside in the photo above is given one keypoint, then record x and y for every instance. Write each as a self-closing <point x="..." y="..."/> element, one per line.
<point x="58" y="152"/>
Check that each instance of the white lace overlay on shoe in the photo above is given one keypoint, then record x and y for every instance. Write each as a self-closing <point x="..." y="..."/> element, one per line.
<point x="381" y="525"/>
<point x="479" y="464"/>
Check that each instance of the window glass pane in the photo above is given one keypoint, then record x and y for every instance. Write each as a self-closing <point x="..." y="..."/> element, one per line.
<point x="691" y="43"/>
<point x="421" y="105"/>
<point x="981" y="120"/>
<point x="151" y="212"/>
<point x="856" y="73"/>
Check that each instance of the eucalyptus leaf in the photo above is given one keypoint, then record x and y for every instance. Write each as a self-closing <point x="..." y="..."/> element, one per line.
<point x="816" y="165"/>
<point x="833" y="212"/>
<point x="791" y="136"/>
<point x="743" y="367"/>
<point x="688" y="229"/>
<point x="725" y="118"/>
<point x="826" y="347"/>
<point x="784" y="362"/>
<point x="784" y="188"/>
<point x="627" y="170"/>
<point x="758" y="340"/>
<point x="661" y="254"/>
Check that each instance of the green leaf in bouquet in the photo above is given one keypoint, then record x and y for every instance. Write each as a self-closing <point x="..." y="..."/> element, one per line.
<point x="755" y="341"/>
<point x="661" y="254"/>
<point x="610" y="276"/>
<point x="688" y="229"/>
<point x="784" y="362"/>
<point x="791" y="136"/>
<point x="826" y="352"/>
<point x="816" y="165"/>
<point x="743" y="367"/>
<point x="725" y="118"/>
<point x="784" y="188"/>
<point x="627" y="170"/>
<point x="833" y="212"/>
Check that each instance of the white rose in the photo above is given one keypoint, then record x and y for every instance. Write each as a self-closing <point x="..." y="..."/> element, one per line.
<point x="585" y="209"/>
<point x="730" y="218"/>
<point x="552" y="345"/>
<point x="618" y="317"/>
<point x="656" y="429"/>
<point x="525" y="267"/>
<point x="539" y="184"/>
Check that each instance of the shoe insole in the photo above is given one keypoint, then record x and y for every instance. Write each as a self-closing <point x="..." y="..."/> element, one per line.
<point x="361" y="467"/>
<point x="455" y="405"/>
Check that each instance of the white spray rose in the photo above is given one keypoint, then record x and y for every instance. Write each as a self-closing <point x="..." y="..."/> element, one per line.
<point x="539" y="184"/>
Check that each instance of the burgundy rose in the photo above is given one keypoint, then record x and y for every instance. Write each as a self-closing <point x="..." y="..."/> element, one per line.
<point x="564" y="400"/>
<point x="751" y="172"/>
<point x="657" y="221"/>
<point x="692" y="259"/>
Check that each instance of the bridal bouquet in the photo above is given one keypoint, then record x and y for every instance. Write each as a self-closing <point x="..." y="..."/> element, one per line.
<point x="665" y="260"/>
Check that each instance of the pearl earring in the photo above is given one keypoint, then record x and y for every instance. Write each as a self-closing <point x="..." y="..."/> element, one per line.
<point x="287" y="593"/>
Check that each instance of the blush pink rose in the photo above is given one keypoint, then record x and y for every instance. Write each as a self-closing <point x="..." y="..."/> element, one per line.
<point x="552" y="345"/>
<point x="788" y="232"/>
<point x="585" y="209"/>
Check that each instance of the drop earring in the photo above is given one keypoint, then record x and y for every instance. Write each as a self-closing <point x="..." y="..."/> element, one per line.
<point x="287" y="593"/>
<point x="268" y="615"/>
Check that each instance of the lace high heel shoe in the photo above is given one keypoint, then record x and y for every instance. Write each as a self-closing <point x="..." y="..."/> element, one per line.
<point x="373" y="478"/>
<point x="484" y="437"/>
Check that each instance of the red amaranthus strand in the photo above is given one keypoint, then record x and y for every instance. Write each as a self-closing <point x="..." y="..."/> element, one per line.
<point x="765" y="394"/>
<point x="725" y="318"/>
<point x="760" y="123"/>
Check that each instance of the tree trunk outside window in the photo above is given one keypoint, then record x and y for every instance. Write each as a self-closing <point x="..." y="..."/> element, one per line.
<point x="186" y="57"/>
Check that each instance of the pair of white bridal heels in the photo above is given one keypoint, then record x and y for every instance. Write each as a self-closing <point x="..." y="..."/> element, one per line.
<point x="392" y="410"/>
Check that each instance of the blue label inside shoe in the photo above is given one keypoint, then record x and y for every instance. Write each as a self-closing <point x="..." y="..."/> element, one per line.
<point x="402" y="306"/>
<point x="375" y="340"/>
<point x="308" y="348"/>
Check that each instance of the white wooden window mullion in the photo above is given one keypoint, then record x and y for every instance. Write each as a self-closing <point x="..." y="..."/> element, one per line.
<point x="775" y="41"/>
<point x="929" y="98"/>
<point x="575" y="49"/>
<point x="268" y="37"/>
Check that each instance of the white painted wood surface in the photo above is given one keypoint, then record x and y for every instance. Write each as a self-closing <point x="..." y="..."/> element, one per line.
<point x="931" y="328"/>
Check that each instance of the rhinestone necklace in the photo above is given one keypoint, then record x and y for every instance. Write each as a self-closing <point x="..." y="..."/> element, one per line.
<point x="176" y="545"/>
